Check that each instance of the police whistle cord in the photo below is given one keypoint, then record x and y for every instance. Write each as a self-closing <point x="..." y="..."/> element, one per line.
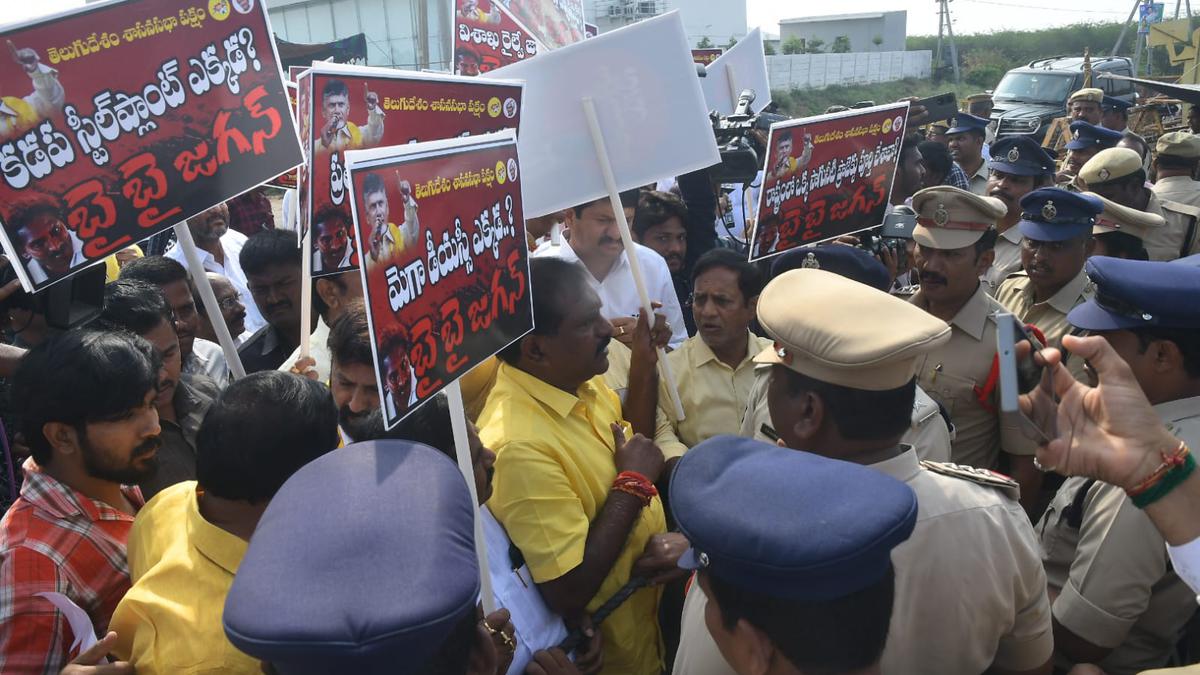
<point x="576" y="636"/>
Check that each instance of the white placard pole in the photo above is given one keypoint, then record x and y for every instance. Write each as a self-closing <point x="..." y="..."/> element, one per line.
<point x="306" y="284"/>
<point x="734" y="94"/>
<point x="635" y="266"/>
<point x="462" y="450"/>
<point x="211" y="308"/>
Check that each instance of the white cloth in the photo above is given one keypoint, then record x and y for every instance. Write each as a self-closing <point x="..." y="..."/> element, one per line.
<point x="231" y="245"/>
<point x="537" y="627"/>
<point x="1185" y="558"/>
<point x="318" y="349"/>
<point x="619" y="295"/>
<point x="37" y="274"/>
<point x="207" y="358"/>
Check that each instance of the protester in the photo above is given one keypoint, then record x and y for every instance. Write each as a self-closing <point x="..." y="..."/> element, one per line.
<point x="1177" y="158"/>
<point x="1121" y="232"/>
<point x="799" y="583"/>
<point x="199" y="356"/>
<point x="182" y="399"/>
<point x="659" y="224"/>
<point x="352" y="377"/>
<point x="1019" y="166"/>
<point x="220" y="249"/>
<point x="231" y="305"/>
<point x="185" y="545"/>
<point x="966" y="138"/>
<point x="1086" y="142"/>
<point x="1084" y="106"/>
<point x="272" y="264"/>
<point x="910" y="171"/>
<point x="331" y="296"/>
<point x="940" y="168"/>
<point x="86" y="404"/>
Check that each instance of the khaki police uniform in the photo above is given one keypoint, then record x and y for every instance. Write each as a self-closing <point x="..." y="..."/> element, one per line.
<point x="1008" y="258"/>
<point x="1016" y="294"/>
<point x="1109" y="565"/>
<point x="1181" y="189"/>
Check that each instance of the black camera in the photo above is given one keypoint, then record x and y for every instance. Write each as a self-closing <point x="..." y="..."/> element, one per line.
<point x="68" y="304"/>
<point x="742" y="153"/>
<point x="894" y="235"/>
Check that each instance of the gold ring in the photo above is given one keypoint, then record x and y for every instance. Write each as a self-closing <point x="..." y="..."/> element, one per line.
<point x="509" y="642"/>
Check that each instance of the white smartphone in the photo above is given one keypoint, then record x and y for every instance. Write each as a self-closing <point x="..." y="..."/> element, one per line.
<point x="1020" y="374"/>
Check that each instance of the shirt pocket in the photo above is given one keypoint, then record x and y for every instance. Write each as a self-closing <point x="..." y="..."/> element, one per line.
<point x="955" y="392"/>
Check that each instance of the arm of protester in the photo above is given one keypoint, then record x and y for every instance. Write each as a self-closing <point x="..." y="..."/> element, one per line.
<point x="641" y="392"/>
<point x="568" y="593"/>
<point x="660" y="561"/>
<point x="700" y="198"/>
<point x="35" y="635"/>
<point x="500" y="626"/>
<point x="10" y="357"/>
<point x="94" y="660"/>
<point x="551" y="662"/>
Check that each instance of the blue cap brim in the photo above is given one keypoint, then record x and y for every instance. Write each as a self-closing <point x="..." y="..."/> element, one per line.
<point x="1080" y="145"/>
<point x="1047" y="232"/>
<point x="961" y="130"/>
<point x="1015" y="169"/>
<point x="1091" y="316"/>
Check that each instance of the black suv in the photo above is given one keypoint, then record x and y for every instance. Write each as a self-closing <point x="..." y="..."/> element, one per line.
<point x="1029" y="98"/>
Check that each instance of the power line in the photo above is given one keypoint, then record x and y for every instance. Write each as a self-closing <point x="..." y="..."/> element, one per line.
<point x="1048" y="9"/>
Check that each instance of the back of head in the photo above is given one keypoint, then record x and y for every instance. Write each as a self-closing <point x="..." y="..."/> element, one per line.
<point x="155" y="269"/>
<point x="557" y="282"/>
<point x="428" y="425"/>
<point x="79" y="377"/>
<point x="260" y="431"/>
<point x="267" y="249"/>
<point x="134" y="305"/>
<point x="936" y="156"/>
<point x="350" y="337"/>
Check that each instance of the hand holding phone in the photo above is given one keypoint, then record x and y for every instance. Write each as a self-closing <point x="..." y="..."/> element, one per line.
<point x="1023" y="373"/>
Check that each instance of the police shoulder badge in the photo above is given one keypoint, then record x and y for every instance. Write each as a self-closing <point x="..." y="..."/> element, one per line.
<point x="1014" y="154"/>
<point x="1049" y="210"/>
<point x="941" y="216"/>
<point x="810" y="262"/>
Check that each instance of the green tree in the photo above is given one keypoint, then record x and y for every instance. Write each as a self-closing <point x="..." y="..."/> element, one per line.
<point x="768" y="49"/>
<point x="731" y="43"/>
<point x="792" y="45"/>
<point x="705" y="43"/>
<point x="841" y="45"/>
<point x="814" y="46"/>
<point x="877" y="41"/>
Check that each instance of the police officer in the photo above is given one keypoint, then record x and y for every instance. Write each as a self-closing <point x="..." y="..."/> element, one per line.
<point x="966" y="137"/>
<point x="1018" y="166"/>
<point x="954" y="239"/>
<point x="1086" y="141"/>
<point x="1120" y="232"/>
<point x="1117" y="174"/>
<point x="1085" y="105"/>
<point x="1177" y="155"/>
<point x="798" y="580"/>
<point x="1118" y="602"/>
<point x="1114" y="114"/>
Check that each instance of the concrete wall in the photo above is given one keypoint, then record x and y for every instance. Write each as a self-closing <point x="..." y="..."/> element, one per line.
<point x="816" y="71"/>
<point x="410" y="34"/>
<point x="718" y="20"/>
<point x="860" y="28"/>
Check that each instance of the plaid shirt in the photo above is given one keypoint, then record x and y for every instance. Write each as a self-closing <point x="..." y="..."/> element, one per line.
<point x="56" y="539"/>
<point x="956" y="177"/>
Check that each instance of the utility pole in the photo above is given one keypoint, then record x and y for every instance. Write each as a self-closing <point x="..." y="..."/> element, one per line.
<point x="945" y="27"/>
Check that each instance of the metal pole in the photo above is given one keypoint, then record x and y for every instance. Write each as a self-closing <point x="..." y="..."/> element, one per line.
<point x="953" y="47"/>
<point x="1125" y="28"/>
<point x="941" y="62"/>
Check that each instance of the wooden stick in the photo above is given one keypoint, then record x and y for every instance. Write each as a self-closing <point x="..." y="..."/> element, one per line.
<point x="462" y="450"/>
<point x="211" y="308"/>
<point x="306" y="284"/>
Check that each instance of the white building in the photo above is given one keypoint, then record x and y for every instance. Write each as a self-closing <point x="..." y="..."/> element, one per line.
<point x="867" y="32"/>
<point x="412" y="34"/>
<point x="718" y="20"/>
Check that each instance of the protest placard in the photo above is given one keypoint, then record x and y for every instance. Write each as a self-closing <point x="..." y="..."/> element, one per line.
<point x="355" y="107"/>
<point x="554" y="23"/>
<point x="289" y="180"/>
<point x="127" y="118"/>
<point x="458" y="292"/>
<point x="742" y="66"/>
<point x="827" y="176"/>
<point x="706" y="56"/>
<point x="590" y="30"/>
<point x="487" y="37"/>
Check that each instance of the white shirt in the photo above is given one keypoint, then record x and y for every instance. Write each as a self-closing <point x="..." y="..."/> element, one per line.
<point x="619" y="295"/>
<point x="231" y="244"/>
<point x="318" y="349"/>
<point x="37" y="274"/>
<point x="537" y="627"/>
<point x="207" y="358"/>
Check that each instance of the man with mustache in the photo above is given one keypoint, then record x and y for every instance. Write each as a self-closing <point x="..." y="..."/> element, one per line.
<point x="954" y="240"/>
<point x="332" y="296"/>
<point x="220" y="248"/>
<point x="1019" y="165"/>
<point x="966" y="139"/>
<point x="1084" y="105"/>
<point x="1086" y="141"/>
<point x="181" y="400"/>
<point x="49" y="247"/>
<point x="660" y="224"/>
<point x="86" y="402"/>
<point x="229" y="301"/>
<point x="1117" y="174"/>
<point x="352" y="376"/>
<point x="334" y="243"/>
<point x="272" y="264"/>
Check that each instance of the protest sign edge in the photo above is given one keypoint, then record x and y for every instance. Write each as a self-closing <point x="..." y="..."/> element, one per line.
<point x="16" y="262"/>
<point x="462" y="454"/>
<point x="200" y="278"/>
<point x="327" y="68"/>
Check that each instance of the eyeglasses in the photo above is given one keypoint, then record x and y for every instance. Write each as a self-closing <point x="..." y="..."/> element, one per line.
<point x="230" y="301"/>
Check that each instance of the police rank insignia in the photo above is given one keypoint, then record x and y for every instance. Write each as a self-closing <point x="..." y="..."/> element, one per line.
<point x="1014" y="154"/>
<point x="941" y="216"/>
<point x="1049" y="210"/>
<point x="810" y="262"/>
<point x="1103" y="174"/>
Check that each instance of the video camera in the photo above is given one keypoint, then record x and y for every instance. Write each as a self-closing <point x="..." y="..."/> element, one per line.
<point x="893" y="234"/>
<point x="68" y="304"/>
<point x="742" y="152"/>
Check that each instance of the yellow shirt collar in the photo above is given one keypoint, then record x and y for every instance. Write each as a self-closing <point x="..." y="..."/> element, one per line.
<point x="224" y="549"/>
<point x="557" y="400"/>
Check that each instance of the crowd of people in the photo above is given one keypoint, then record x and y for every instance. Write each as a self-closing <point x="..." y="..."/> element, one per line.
<point x="844" y="492"/>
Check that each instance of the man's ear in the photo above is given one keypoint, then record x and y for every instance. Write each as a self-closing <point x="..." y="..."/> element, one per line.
<point x="62" y="437"/>
<point x="1167" y="357"/>
<point x="483" y="658"/>
<point x="985" y="260"/>
<point x="531" y="349"/>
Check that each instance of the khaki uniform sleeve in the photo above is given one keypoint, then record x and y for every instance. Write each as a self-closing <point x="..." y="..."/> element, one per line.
<point x="1119" y="558"/>
<point x="1030" y="643"/>
<point x="757" y="412"/>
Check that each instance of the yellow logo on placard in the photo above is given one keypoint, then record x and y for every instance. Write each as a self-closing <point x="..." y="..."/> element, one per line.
<point x="494" y="107"/>
<point x="219" y="9"/>
<point x="887" y="125"/>
<point x="501" y="172"/>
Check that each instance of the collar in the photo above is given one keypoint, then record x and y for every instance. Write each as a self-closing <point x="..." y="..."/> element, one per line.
<point x="903" y="467"/>
<point x="567" y="253"/>
<point x="1171" y="180"/>
<point x="701" y="353"/>
<point x="973" y="316"/>
<point x="190" y="407"/>
<point x="224" y="549"/>
<point x="982" y="171"/>
<point x="1012" y="235"/>
<point x="1172" y="412"/>
<point x="558" y="401"/>
<point x="1068" y="296"/>
<point x="7" y="110"/>
<point x="63" y="502"/>
<point x="345" y="131"/>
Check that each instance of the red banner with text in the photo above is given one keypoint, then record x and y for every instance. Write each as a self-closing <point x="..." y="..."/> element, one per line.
<point x="487" y="37"/>
<point x="120" y="120"/>
<point x="706" y="56"/>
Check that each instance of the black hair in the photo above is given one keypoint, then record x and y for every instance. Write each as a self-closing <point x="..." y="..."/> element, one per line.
<point x="372" y="182"/>
<point x="987" y="242"/>
<point x="463" y="52"/>
<point x="750" y="277"/>
<point x="858" y="414"/>
<point x="155" y="269"/>
<point x="1123" y="245"/>
<point x="629" y="200"/>
<point x="937" y="157"/>
<point x="134" y="305"/>
<point x="1137" y="140"/>
<point x="335" y="88"/>
<point x="1187" y="340"/>
<point x="261" y="430"/>
<point x="1178" y="163"/>
<point x="350" y="337"/>
<point x="393" y="338"/>
<point x="23" y="213"/>
<point x="911" y="142"/>
<point x="655" y="208"/>
<point x="269" y="248"/>
<point x="822" y="637"/>
<point x="79" y="377"/>
<point x="558" y="283"/>
<point x="429" y="424"/>
<point x="330" y="212"/>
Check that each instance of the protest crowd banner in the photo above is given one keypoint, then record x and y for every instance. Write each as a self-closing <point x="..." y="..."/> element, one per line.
<point x="487" y="37"/>
<point x="827" y="176"/>
<point x="553" y="23"/>
<point x="132" y="117"/>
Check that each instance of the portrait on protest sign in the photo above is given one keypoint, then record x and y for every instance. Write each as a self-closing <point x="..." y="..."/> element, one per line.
<point x="706" y="56"/>
<point x="827" y="176"/>
<point x="554" y="23"/>
<point x="487" y="37"/>
<point x="459" y="291"/>
<point x="124" y="119"/>
<point x="354" y="108"/>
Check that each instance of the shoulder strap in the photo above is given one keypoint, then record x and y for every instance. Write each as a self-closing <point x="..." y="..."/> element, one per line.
<point x="1074" y="512"/>
<point x="976" y="475"/>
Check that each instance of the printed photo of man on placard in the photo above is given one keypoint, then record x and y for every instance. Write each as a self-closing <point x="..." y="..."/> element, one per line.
<point x="338" y="132"/>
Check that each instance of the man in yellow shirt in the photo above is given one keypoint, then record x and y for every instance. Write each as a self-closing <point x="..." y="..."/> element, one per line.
<point x="575" y="497"/>
<point x="19" y="114"/>
<point x="187" y="543"/>
<point x="386" y="239"/>
<point x="339" y="133"/>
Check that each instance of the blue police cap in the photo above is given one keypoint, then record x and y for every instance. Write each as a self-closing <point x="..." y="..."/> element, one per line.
<point x="1054" y="214"/>
<point x="787" y="524"/>
<point x="1020" y="156"/>
<point x="1139" y="294"/>
<point x="1085" y="136"/>
<point x="364" y="562"/>
<point x="1114" y="103"/>
<point x="963" y="122"/>
<point x="851" y="262"/>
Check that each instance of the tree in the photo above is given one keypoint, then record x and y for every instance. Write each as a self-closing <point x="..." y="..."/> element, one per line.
<point x="768" y="49"/>
<point x="841" y="45"/>
<point x="705" y="43"/>
<point x="877" y="41"/>
<point x="814" y="45"/>
<point x="731" y="43"/>
<point x="792" y="45"/>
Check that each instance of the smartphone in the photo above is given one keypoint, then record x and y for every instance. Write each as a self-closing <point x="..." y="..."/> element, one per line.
<point x="940" y="106"/>
<point x="1020" y="374"/>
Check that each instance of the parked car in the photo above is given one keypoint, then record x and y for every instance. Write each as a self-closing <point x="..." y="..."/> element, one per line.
<point x="1029" y="98"/>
